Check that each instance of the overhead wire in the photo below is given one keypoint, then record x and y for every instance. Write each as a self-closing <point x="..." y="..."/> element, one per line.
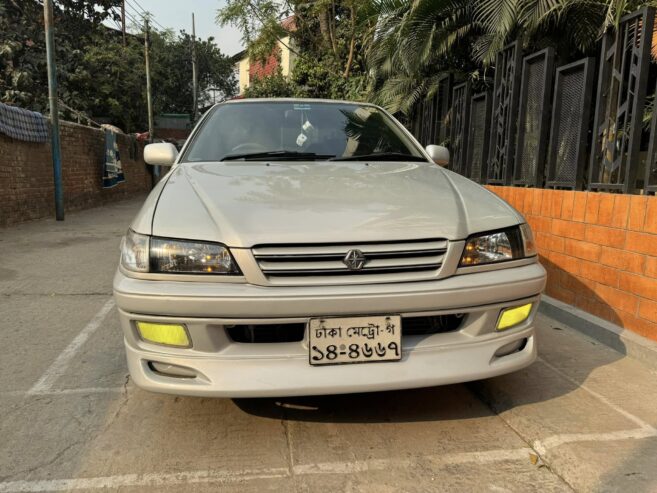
<point x="151" y="15"/>
<point x="145" y="14"/>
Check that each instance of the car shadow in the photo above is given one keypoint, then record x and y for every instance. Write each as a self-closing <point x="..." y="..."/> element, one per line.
<point x="448" y="402"/>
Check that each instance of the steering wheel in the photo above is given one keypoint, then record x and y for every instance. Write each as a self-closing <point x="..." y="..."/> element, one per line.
<point x="249" y="147"/>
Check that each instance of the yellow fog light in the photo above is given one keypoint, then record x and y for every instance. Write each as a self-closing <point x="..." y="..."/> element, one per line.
<point x="513" y="316"/>
<point x="167" y="334"/>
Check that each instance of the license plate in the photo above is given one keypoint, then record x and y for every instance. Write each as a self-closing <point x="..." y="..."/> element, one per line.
<point x="334" y="341"/>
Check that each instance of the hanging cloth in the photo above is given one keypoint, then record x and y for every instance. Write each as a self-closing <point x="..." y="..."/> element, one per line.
<point x="112" y="170"/>
<point x="21" y="124"/>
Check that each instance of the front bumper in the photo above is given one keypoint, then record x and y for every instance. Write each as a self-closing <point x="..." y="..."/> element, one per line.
<point x="227" y="369"/>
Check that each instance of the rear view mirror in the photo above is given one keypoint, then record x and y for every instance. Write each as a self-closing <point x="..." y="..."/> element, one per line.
<point x="160" y="154"/>
<point x="438" y="154"/>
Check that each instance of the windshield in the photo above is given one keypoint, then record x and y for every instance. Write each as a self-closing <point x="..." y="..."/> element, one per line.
<point x="299" y="130"/>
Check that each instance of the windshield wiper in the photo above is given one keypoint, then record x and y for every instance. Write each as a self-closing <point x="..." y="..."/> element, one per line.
<point x="381" y="156"/>
<point x="278" y="155"/>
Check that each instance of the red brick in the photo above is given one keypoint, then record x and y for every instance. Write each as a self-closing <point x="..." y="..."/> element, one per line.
<point x="540" y="224"/>
<point x="563" y="295"/>
<point x="639" y="325"/>
<point x="585" y="287"/>
<point x="605" y="236"/>
<point x="568" y="229"/>
<point x="621" y="211"/>
<point x="567" y="206"/>
<point x="645" y="287"/>
<point x="579" y="207"/>
<point x="556" y="243"/>
<point x="592" y="207"/>
<point x="617" y="299"/>
<point x="597" y="308"/>
<point x="650" y="225"/>
<point x="650" y="268"/>
<point x="582" y="249"/>
<point x="546" y="204"/>
<point x="637" y="214"/>
<point x="542" y="240"/>
<point x="556" y="203"/>
<point x="528" y="197"/>
<point x="642" y="243"/>
<point x="599" y="273"/>
<point x="648" y="310"/>
<point x="606" y="209"/>
<point x="537" y="200"/>
<point x="26" y="183"/>
<point x="565" y="262"/>
<point x="622" y="260"/>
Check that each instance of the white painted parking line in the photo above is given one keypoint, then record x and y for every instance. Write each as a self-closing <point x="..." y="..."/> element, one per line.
<point x="141" y="480"/>
<point x="353" y="467"/>
<point x="642" y="424"/>
<point x="56" y="392"/>
<point x="58" y="368"/>
<point x="161" y="480"/>
<point x="645" y="430"/>
<point x="542" y="446"/>
<point x="479" y="457"/>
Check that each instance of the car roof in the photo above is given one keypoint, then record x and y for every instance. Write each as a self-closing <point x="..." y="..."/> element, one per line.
<point x="295" y="100"/>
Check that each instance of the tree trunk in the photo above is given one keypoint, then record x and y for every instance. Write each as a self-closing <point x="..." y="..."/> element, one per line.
<point x="324" y="28"/>
<point x="352" y="43"/>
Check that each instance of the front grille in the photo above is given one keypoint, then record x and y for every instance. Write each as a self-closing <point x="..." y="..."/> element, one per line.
<point x="434" y="324"/>
<point x="396" y="260"/>
<point x="266" y="333"/>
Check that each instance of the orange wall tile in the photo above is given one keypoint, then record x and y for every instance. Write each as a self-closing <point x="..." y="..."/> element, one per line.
<point x="599" y="249"/>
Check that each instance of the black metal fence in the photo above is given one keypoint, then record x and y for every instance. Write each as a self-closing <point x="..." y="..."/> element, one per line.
<point x="548" y="124"/>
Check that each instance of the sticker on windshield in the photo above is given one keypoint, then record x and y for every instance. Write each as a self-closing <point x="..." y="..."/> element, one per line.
<point x="301" y="107"/>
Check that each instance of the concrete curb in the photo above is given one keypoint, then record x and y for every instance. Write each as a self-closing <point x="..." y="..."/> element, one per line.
<point x="607" y="333"/>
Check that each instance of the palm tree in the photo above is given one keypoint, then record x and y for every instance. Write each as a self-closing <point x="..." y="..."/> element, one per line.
<point x="419" y="40"/>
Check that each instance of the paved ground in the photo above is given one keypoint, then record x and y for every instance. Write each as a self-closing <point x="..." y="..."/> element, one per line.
<point x="582" y="418"/>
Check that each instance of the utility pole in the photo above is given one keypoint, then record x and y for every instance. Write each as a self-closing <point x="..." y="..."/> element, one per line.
<point x="194" y="70"/>
<point x="148" y="80"/>
<point x="123" y="20"/>
<point x="149" y="100"/>
<point x="54" y="110"/>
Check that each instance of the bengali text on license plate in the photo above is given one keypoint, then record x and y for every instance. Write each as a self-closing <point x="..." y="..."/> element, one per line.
<point x="354" y="340"/>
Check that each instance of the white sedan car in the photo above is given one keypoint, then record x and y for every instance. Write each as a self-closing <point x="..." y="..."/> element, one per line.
<point x="303" y="247"/>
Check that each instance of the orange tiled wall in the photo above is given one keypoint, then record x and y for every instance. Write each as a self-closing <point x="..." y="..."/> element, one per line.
<point x="599" y="249"/>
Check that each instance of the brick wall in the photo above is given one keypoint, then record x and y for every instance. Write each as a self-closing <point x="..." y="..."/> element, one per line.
<point x="258" y="70"/>
<point x="26" y="177"/>
<point x="599" y="249"/>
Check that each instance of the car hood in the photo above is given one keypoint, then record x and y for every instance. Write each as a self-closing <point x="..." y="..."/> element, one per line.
<point x="242" y="204"/>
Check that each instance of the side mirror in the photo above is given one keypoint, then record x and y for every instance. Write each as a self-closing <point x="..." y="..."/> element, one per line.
<point x="160" y="154"/>
<point x="439" y="154"/>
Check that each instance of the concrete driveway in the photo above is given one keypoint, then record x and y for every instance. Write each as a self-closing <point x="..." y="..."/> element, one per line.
<point x="582" y="418"/>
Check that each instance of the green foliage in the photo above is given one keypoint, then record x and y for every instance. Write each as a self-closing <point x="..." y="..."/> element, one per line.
<point x="328" y="40"/>
<point x="271" y="86"/>
<point x="417" y="41"/>
<point x="98" y="75"/>
<point x="257" y="20"/>
<point x="172" y="69"/>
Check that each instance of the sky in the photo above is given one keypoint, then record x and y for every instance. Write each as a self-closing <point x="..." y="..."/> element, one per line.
<point x="177" y="14"/>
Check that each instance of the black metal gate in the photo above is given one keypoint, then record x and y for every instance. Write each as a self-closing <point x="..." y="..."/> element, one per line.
<point x="443" y="104"/>
<point x="478" y="133"/>
<point x="570" y="124"/>
<point x="505" y="111"/>
<point x="459" y="129"/>
<point x="625" y="59"/>
<point x="534" y="118"/>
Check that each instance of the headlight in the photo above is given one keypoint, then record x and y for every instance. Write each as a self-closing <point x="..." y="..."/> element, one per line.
<point x="498" y="246"/>
<point x="162" y="255"/>
<point x="134" y="252"/>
